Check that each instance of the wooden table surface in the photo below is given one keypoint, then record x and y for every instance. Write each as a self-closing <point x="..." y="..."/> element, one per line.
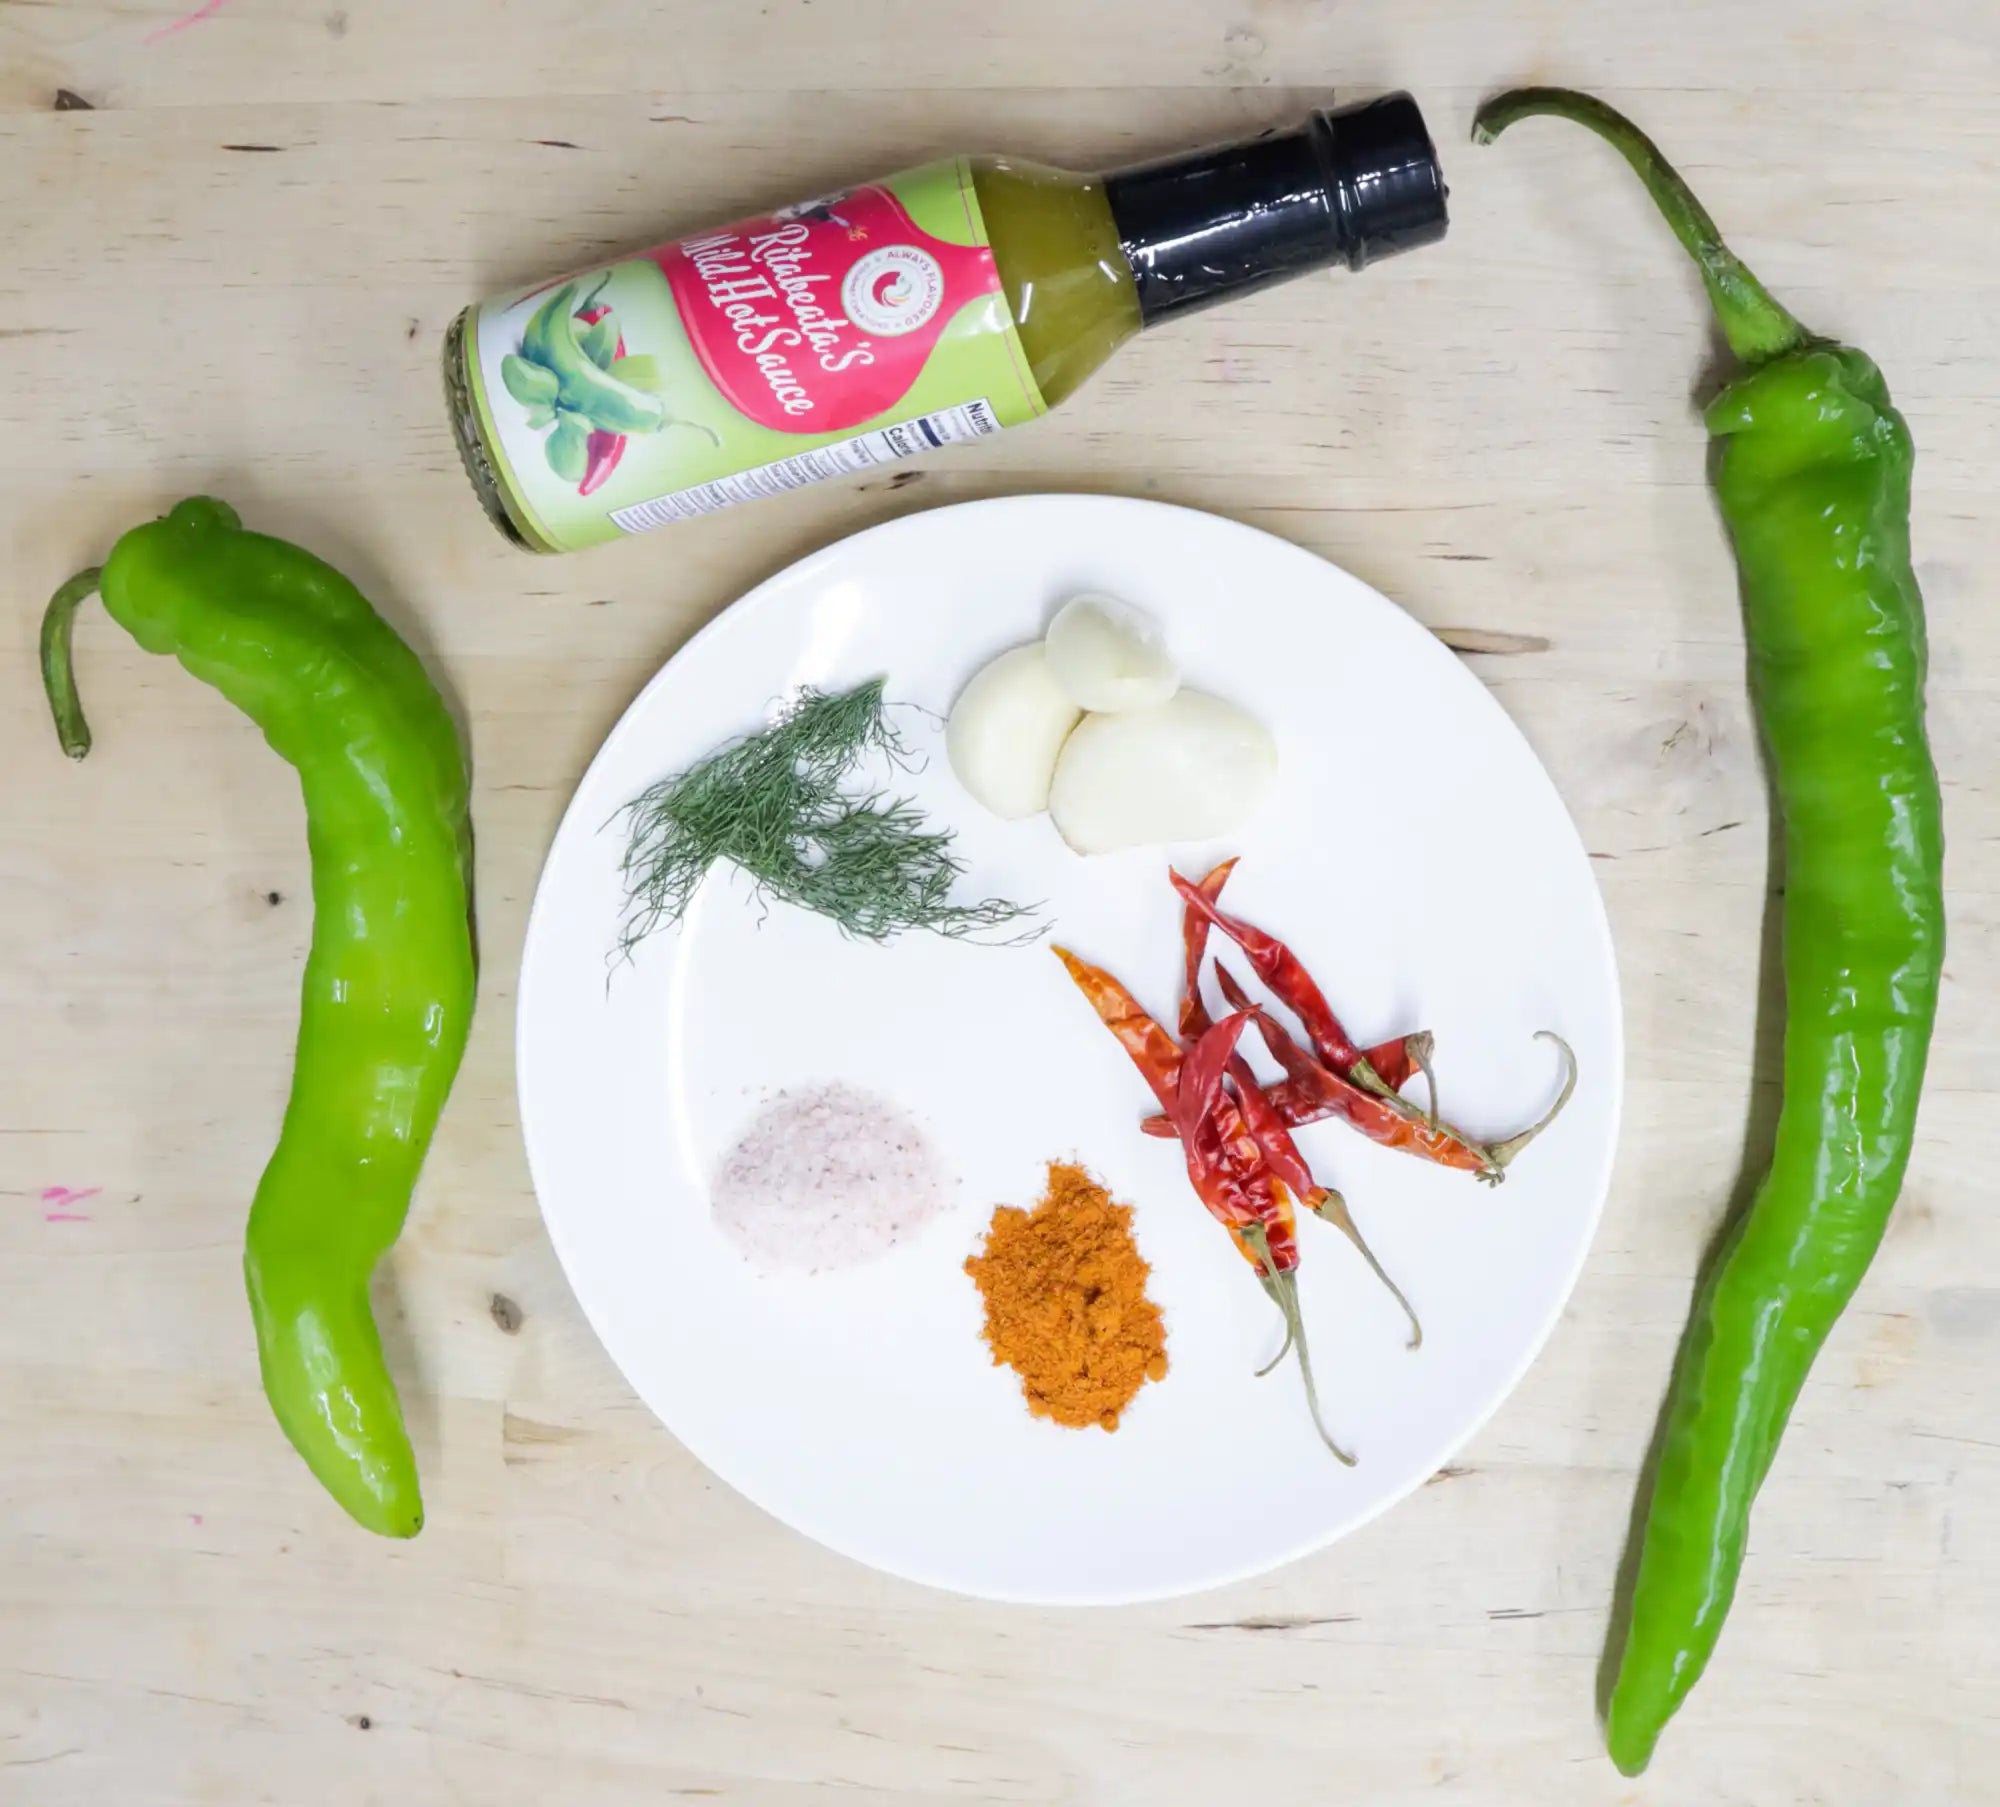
<point x="231" y="244"/>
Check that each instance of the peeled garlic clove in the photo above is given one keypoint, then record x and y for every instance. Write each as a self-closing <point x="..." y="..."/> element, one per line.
<point x="1187" y="769"/>
<point x="1110" y="656"/>
<point x="1005" y="732"/>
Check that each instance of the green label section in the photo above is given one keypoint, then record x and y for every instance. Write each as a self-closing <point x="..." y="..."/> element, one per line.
<point x="803" y="345"/>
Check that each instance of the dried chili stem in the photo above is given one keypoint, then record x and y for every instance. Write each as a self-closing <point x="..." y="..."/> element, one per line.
<point x="1270" y="1287"/>
<point x="1284" y="1290"/>
<point x="1503" y="1152"/>
<point x="1331" y="1208"/>
<point x="1419" y="1048"/>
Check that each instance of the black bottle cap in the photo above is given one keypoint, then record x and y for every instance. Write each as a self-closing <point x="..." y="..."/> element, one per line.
<point x="1344" y="187"/>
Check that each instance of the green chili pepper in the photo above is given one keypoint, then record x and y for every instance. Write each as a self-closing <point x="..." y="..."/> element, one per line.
<point x="532" y="385"/>
<point x="606" y="402"/>
<point x="535" y="335"/>
<point x="1813" y="478"/>
<point x="599" y="341"/>
<point x="568" y="447"/>
<point x="389" y="981"/>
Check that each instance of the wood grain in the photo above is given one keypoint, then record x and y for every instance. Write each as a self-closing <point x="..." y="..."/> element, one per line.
<point x="230" y="251"/>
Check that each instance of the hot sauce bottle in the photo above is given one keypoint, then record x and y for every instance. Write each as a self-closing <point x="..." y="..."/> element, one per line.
<point x="918" y="311"/>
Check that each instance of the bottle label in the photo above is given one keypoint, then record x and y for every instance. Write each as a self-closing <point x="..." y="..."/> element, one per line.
<point x="809" y="343"/>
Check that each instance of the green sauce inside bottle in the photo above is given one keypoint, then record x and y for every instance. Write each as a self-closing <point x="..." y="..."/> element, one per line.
<point x="1061" y="267"/>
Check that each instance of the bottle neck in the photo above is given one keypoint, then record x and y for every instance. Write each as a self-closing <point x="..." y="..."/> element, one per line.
<point x="1345" y="187"/>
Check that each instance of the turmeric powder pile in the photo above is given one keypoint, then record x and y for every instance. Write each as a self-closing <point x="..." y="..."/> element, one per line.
<point x="1066" y="1305"/>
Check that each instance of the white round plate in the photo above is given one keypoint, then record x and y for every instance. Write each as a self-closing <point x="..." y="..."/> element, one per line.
<point x="1416" y="857"/>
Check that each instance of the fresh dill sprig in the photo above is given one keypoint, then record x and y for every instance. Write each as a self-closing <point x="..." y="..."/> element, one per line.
<point x="773" y="804"/>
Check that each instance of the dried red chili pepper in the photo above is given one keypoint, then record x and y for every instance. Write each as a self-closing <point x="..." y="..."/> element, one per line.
<point x="1224" y="1164"/>
<point x="1269" y="1239"/>
<point x="1194" y="944"/>
<point x="1154" y="1052"/>
<point x="1401" y="1059"/>
<point x="1310" y="1094"/>
<point x="1267" y="1129"/>
<point x="1395" y="1061"/>
<point x="1281" y="1155"/>
<point x="1332" y="1085"/>
<point x="1224" y="1155"/>
<point x="1158" y="1057"/>
<point x="1288" y="979"/>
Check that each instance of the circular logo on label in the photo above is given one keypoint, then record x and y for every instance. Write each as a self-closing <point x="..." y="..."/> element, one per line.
<point x="893" y="290"/>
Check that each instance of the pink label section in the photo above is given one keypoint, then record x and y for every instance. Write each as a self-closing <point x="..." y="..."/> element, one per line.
<point x="819" y="317"/>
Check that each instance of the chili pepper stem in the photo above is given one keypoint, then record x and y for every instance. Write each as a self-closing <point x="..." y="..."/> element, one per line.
<point x="1755" y="325"/>
<point x="1496" y="1155"/>
<point x="1284" y="1291"/>
<point x="1285" y="1348"/>
<point x="1331" y="1208"/>
<point x="59" y="666"/>
<point x="1363" y="1074"/>
<point x="1420" y="1047"/>
<point x="1503" y="1152"/>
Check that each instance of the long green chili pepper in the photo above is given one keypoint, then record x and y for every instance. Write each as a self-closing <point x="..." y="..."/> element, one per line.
<point x="389" y="981"/>
<point x="598" y="396"/>
<point x="1813" y="478"/>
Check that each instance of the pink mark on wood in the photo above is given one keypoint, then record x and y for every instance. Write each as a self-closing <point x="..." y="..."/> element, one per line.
<point x="194" y="1518"/>
<point x="207" y="10"/>
<point x="57" y="1200"/>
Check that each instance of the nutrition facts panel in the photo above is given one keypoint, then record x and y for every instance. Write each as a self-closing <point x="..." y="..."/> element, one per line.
<point x="843" y="458"/>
